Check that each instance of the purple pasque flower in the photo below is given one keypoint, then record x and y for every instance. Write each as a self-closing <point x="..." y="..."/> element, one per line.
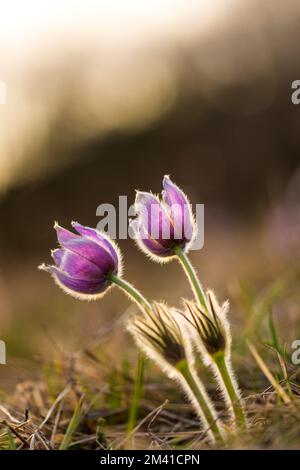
<point x="84" y="262"/>
<point x="162" y="223"/>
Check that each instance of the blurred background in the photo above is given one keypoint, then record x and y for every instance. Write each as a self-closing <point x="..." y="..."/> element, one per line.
<point x="105" y="97"/>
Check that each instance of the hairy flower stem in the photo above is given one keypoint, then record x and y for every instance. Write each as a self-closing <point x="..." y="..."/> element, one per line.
<point x="230" y="389"/>
<point x="132" y="292"/>
<point x="229" y="386"/>
<point x="192" y="277"/>
<point x="205" y="408"/>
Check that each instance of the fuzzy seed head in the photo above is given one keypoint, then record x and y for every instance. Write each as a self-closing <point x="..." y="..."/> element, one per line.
<point x="210" y="327"/>
<point x="160" y="333"/>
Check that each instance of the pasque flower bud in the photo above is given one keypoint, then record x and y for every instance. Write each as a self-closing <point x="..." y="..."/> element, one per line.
<point x="211" y="334"/>
<point x="162" y="224"/>
<point x="162" y="338"/>
<point x="84" y="262"/>
<point x="159" y="335"/>
<point x="210" y="327"/>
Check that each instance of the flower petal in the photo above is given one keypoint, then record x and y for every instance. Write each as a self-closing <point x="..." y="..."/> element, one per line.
<point x="146" y="243"/>
<point x="57" y="256"/>
<point x="80" y="286"/>
<point x="94" y="253"/>
<point x="78" y="267"/>
<point x="180" y="210"/>
<point x="172" y="193"/>
<point x="153" y="218"/>
<point x="64" y="235"/>
<point x="98" y="237"/>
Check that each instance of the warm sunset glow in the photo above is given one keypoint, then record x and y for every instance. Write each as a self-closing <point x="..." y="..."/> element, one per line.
<point x="125" y="82"/>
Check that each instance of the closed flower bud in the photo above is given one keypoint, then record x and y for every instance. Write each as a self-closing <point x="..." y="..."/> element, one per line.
<point x="84" y="262"/>
<point x="159" y="336"/>
<point x="163" y="223"/>
<point x="163" y="338"/>
<point x="209" y="328"/>
<point x="211" y="334"/>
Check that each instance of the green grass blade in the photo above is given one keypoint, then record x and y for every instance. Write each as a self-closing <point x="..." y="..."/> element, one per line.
<point x="113" y="398"/>
<point x="137" y="394"/>
<point x="73" y="425"/>
<point x="275" y="339"/>
<point x="11" y="441"/>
